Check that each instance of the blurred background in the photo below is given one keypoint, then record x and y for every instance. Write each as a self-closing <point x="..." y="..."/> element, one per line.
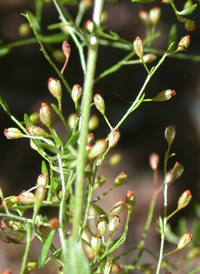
<point x="24" y="73"/>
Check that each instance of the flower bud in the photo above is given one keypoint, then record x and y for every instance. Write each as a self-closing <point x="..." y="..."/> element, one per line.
<point x="148" y="58"/>
<point x="55" y="88"/>
<point x="113" y="224"/>
<point x="165" y="95"/>
<point x="45" y="115"/>
<point x="31" y="265"/>
<point x="54" y="223"/>
<point x="154" y="16"/>
<point x="89" y="25"/>
<point x="58" y="56"/>
<point x="114" y="137"/>
<point x="154" y="161"/>
<point x="117" y="208"/>
<point x="170" y="133"/>
<point x="189" y="25"/>
<point x="37" y="131"/>
<point x="96" y="244"/>
<point x="121" y="179"/>
<point x="76" y="93"/>
<point x="116" y="269"/>
<point x="10" y="201"/>
<point x="40" y="194"/>
<point x="42" y="179"/>
<point x="146" y="268"/>
<point x="177" y="170"/>
<point x="34" y="117"/>
<point x="24" y="29"/>
<point x="115" y="159"/>
<point x="144" y="17"/>
<point x="184" y="43"/>
<point x="170" y="177"/>
<point x="188" y="4"/>
<point x="72" y="119"/>
<point x="130" y="200"/>
<point x="44" y="232"/>
<point x="101" y="225"/>
<point x="66" y="50"/>
<point x="108" y="267"/>
<point x="93" y="122"/>
<point x="99" y="103"/>
<point x="138" y="47"/>
<point x="184" y="240"/>
<point x="26" y="198"/>
<point x="104" y="17"/>
<point x="185" y="199"/>
<point x="90" y="138"/>
<point x="100" y="180"/>
<point x="13" y="133"/>
<point x="98" y="148"/>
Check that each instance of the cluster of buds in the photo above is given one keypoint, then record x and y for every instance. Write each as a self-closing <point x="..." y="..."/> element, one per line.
<point x="151" y="18"/>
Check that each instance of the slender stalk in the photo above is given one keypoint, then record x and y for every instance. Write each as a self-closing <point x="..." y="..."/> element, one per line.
<point x="85" y="110"/>
<point x="28" y="242"/>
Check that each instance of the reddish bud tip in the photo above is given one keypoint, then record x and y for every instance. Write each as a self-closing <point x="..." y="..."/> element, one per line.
<point x="113" y="224"/>
<point x="114" y="137"/>
<point x="189" y="25"/>
<point x="154" y="15"/>
<point x="99" y="103"/>
<point x="170" y="133"/>
<point x="165" y="95"/>
<point x="185" y="199"/>
<point x="130" y="200"/>
<point x="26" y="198"/>
<point x="121" y="179"/>
<point x="138" y="47"/>
<point x="54" y="223"/>
<point x="98" y="148"/>
<point x="184" y="240"/>
<point x="117" y="208"/>
<point x="183" y="44"/>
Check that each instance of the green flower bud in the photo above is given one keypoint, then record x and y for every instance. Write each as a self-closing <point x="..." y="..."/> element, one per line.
<point x="40" y="194"/>
<point x="116" y="269"/>
<point x="10" y="201"/>
<point x="114" y="137"/>
<point x="55" y="88"/>
<point x="93" y="122"/>
<point x="31" y="265"/>
<point x="189" y="25"/>
<point x="183" y="44"/>
<point x="76" y="93"/>
<point x="101" y="225"/>
<point x="42" y="179"/>
<point x="177" y="170"/>
<point x="154" y="161"/>
<point x="117" y="208"/>
<point x="44" y="232"/>
<point x="184" y="240"/>
<point x="165" y="95"/>
<point x="89" y="25"/>
<point x="45" y="115"/>
<point x="154" y="15"/>
<point x="113" y="224"/>
<point x="115" y="159"/>
<point x="108" y="267"/>
<point x="185" y="199"/>
<point x="26" y="198"/>
<point x="130" y="200"/>
<point x="13" y="133"/>
<point x="121" y="179"/>
<point x="96" y="244"/>
<point x="138" y="47"/>
<point x="37" y="131"/>
<point x="24" y="29"/>
<point x="100" y="180"/>
<point x="98" y="148"/>
<point x="148" y="58"/>
<point x="34" y="117"/>
<point x="170" y="133"/>
<point x="144" y="17"/>
<point x="146" y="268"/>
<point x="72" y="119"/>
<point x="99" y="103"/>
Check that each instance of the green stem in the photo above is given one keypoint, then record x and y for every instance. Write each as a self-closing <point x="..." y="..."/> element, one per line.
<point x="28" y="242"/>
<point x="85" y="110"/>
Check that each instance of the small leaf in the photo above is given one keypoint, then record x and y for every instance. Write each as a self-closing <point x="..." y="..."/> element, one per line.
<point x="172" y="37"/>
<point x="187" y="11"/>
<point x="44" y="168"/>
<point x="27" y="121"/>
<point x="50" y="148"/>
<point x="4" y="105"/>
<point x="4" y="51"/>
<point x="73" y="139"/>
<point x="45" y="250"/>
<point x="100" y="211"/>
<point x="75" y="260"/>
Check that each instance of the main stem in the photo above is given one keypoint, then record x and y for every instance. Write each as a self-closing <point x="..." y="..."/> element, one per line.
<point x="85" y="112"/>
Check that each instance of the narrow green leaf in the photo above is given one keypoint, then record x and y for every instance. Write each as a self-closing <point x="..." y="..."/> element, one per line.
<point x="57" y="139"/>
<point x="50" y="148"/>
<point x="44" y="168"/>
<point x="195" y="233"/>
<point x="73" y="139"/>
<point x="187" y="11"/>
<point x="75" y="260"/>
<point x="45" y="250"/>
<point x="27" y="121"/>
<point x="172" y="37"/>
<point x="4" y="105"/>
<point x="100" y="211"/>
<point x="4" y="51"/>
<point x="197" y="210"/>
<point x="33" y="20"/>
